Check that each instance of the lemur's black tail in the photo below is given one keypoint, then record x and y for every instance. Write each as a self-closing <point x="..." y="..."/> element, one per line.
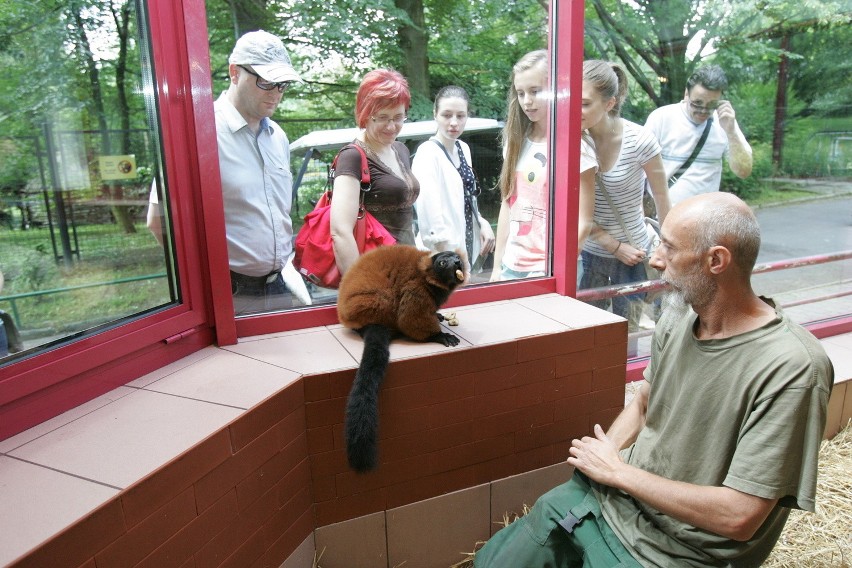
<point x="362" y="413"/>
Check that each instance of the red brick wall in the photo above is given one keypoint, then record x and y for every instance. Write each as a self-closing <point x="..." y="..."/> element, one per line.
<point x="251" y="493"/>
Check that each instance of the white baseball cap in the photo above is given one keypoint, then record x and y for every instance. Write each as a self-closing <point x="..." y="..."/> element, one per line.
<point x="266" y="55"/>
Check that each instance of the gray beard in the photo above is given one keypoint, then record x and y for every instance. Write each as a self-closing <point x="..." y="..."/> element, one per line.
<point x="692" y="290"/>
<point x="674" y="300"/>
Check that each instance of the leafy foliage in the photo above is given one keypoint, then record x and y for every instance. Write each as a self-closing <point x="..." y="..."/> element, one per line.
<point x="333" y="44"/>
<point x="661" y="42"/>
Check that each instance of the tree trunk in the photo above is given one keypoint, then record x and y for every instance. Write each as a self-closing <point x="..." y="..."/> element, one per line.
<point x="414" y="43"/>
<point x="121" y="214"/>
<point x="780" y="107"/>
<point x="122" y="24"/>
<point x="670" y="22"/>
<point x="248" y="15"/>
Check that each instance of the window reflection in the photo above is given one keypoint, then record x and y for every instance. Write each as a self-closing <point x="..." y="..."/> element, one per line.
<point x="318" y="115"/>
<point x="775" y="137"/>
<point x="80" y="151"/>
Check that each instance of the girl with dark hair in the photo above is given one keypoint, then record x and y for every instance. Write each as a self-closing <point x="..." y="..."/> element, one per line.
<point x="448" y="215"/>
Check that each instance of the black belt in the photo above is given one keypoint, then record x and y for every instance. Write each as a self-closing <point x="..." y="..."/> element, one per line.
<point x="255" y="280"/>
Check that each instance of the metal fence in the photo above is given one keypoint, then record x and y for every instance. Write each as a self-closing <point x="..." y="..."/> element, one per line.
<point x="52" y="180"/>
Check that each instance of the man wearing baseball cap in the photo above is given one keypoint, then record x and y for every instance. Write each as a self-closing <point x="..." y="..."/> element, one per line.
<point x="254" y="161"/>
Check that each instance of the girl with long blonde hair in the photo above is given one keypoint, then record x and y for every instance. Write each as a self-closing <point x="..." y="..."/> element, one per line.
<point x="521" y="242"/>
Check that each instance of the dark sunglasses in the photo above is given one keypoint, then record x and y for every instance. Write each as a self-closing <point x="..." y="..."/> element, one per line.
<point x="706" y="109"/>
<point x="264" y="84"/>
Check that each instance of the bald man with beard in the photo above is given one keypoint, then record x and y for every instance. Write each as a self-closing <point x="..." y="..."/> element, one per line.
<point x="721" y="441"/>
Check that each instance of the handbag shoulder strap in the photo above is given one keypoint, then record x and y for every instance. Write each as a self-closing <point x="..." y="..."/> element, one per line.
<point x="366" y="182"/>
<point x="700" y="144"/>
<point x="365" y="167"/>
<point x="615" y="211"/>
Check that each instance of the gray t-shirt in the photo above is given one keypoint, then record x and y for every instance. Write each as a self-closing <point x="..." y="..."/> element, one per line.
<point x="745" y="412"/>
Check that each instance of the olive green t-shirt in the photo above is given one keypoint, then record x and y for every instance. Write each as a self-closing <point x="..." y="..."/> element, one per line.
<point x="745" y="412"/>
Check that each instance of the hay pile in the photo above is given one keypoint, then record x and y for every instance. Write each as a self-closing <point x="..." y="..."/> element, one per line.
<point x="822" y="539"/>
<point x="812" y="540"/>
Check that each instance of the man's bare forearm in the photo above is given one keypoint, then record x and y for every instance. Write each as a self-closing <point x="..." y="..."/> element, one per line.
<point x="630" y="422"/>
<point x="739" y="153"/>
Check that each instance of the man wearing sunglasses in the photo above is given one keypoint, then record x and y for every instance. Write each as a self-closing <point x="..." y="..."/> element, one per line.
<point x="680" y="127"/>
<point x="254" y="161"/>
<point x="257" y="185"/>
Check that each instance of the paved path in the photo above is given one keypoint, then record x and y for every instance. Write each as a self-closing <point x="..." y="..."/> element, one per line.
<point x="808" y="227"/>
<point x="803" y="227"/>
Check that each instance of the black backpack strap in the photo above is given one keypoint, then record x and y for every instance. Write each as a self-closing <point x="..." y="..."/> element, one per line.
<point x="441" y="146"/>
<point x="685" y="166"/>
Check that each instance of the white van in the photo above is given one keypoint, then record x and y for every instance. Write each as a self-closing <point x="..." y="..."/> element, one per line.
<point x="319" y="147"/>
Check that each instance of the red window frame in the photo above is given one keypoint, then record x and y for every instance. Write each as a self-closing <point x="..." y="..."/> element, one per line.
<point x="46" y="384"/>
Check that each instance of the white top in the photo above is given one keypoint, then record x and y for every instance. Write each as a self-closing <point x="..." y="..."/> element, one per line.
<point x="257" y="188"/>
<point x="678" y="135"/>
<point x="440" y="205"/>
<point x="526" y="246"/>
<point x="625" y="183"/>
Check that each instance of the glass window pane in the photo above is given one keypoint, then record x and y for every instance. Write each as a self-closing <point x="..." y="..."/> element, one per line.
<point x="323" y="114"/>
<point x="80" y="154"/>
<point x="779" y="138"/>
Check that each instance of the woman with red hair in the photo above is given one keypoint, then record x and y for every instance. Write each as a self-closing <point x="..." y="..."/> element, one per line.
<point x="381" y="108"/>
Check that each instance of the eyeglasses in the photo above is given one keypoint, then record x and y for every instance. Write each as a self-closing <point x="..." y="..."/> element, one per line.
<point x="264" y="84"/>
<point x="704" y="109"/>
<point x="398" y="120"/>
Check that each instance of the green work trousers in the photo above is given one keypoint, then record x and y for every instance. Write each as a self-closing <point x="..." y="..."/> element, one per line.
<point x="565" y="528"/>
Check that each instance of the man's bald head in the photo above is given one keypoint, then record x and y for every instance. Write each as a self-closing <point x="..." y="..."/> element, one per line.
<point x="724" y="219"/>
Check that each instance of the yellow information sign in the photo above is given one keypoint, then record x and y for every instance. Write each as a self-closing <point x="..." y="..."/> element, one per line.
<point x="117" y="167"/>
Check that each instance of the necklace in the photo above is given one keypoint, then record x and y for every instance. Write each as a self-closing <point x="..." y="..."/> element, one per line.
<point x="372" y="152"/>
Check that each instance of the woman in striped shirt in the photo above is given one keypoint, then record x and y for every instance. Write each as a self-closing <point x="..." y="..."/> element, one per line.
<point x="627" y="155"/>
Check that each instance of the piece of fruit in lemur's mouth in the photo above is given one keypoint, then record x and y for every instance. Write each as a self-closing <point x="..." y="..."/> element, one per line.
<point x="459" y="275"/>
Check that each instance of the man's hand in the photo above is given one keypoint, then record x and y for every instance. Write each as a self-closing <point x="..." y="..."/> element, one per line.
<point x="727" y="116"/>
<point x="596" y="457"/>
<point x="739" y="151"/>
<point x="720" y="510"/>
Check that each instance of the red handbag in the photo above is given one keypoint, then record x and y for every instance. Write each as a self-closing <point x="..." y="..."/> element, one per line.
<point x="314" y="253"/>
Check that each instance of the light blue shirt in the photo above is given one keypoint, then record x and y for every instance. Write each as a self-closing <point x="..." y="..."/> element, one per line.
<point x="257" y="188"/>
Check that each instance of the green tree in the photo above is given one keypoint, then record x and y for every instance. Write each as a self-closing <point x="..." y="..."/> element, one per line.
<point x="85" y="19"/>
<point x="433" y="42"/>
<point x="475" y="44"/>
<point x="72" y="65"/>
<point x="661" y="42"/>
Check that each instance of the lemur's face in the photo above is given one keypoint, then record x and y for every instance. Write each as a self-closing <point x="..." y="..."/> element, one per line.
<point x="449" y="267"/>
